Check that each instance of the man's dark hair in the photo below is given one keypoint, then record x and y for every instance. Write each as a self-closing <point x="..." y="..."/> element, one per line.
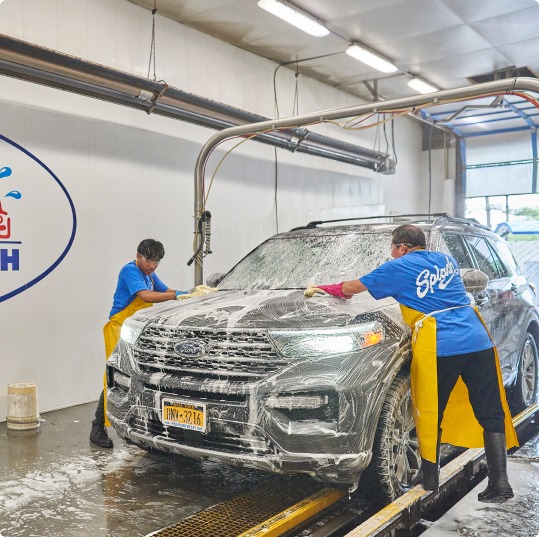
<point x="151" y="249"/>
<point x="409" y="235"/>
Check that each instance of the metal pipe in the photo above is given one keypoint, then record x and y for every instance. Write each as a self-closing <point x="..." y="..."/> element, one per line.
<point x="30" y="62"/>
<point x="498" y="86"/>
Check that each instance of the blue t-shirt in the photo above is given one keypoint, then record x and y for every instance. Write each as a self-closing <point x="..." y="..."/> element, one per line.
<point x="131" y="280"/>
<point x="426" y="282"/>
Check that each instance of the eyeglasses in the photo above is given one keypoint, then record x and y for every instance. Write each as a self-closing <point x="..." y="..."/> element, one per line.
<point x="151" y="263"/>
<point x="393" y="245"/>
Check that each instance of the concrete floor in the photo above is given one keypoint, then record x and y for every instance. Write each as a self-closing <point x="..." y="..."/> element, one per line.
<point x="519" y="517"/>
<point x="56" y="483"/>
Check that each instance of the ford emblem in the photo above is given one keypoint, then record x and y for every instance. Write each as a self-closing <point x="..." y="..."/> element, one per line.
<point x="190" y="348"/>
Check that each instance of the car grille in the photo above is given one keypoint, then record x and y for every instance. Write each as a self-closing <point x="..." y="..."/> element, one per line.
<point x="228" y="443"/>
<point x="245" y="355"/>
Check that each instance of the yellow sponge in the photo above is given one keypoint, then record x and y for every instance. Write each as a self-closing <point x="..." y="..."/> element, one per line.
<point x="199" y="290"/>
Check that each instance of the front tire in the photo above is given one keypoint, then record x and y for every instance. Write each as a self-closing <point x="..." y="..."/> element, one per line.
<point x="396" y="459"/>
<point x="524" y="392"/>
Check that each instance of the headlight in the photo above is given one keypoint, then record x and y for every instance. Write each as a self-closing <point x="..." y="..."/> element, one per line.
<point x="131" y="330"/>
<point x="297" y="343"/>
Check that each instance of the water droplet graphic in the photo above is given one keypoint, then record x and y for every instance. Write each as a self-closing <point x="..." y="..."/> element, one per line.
<point x="5" y="172"/>
<point x="14" y="194"/>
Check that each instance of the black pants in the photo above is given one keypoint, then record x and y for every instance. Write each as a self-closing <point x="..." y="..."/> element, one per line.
<point x="100" y="410"/>
<point x="478" y="371"/>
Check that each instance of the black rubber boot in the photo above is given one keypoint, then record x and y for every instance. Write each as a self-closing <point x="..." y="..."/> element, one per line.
<point x="498" y="489"/>
<point x="99" y="435"/>
<point x="430" y="471"/>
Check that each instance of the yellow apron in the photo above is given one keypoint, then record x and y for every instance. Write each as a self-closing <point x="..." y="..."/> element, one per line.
<point x="111" y="333"/>
<point x="459" y="425"/>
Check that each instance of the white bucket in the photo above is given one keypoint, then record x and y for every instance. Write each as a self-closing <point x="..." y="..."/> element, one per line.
<point x="22" y="413"/>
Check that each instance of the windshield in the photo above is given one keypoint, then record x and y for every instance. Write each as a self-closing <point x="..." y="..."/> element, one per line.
<point x="296" y="262"/>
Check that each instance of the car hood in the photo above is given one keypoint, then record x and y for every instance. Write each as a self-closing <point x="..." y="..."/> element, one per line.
<point x="266" y="309"/>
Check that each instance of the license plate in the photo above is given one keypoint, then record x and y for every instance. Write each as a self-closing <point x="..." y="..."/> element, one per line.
<point x="184" y="414"/>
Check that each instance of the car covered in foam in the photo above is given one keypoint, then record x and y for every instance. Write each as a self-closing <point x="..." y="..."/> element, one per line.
<point x="257" y="375"/>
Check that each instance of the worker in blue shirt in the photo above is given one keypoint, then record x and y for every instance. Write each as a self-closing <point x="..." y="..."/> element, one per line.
<point x="138" y="287"/>
<point x="452" y="355"/>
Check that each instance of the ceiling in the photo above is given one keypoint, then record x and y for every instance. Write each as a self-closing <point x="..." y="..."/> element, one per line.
<point x="448" y="43"/>
<point x="443" y="41"/>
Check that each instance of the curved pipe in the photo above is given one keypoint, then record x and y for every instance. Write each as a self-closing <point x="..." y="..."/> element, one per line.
<point x="498" y="86"/>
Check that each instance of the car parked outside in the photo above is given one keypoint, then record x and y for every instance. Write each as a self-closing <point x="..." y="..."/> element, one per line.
<point x="256" y="375"/>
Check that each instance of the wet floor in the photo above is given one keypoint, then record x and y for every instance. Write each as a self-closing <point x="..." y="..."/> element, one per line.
<point x="519" y="517"/>
<point x="56" y="483"/>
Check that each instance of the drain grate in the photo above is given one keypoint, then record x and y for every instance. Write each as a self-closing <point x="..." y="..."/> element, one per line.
<point x="269" y="509"/>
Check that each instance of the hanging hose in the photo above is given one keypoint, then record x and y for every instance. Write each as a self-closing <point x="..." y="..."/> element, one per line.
<point x="207" y="235"/>
<point x="204" y="229"/>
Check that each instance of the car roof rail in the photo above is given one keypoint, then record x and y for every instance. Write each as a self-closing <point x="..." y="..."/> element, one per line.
<point x="466" y="222"/>
<point x="316" y="223"/>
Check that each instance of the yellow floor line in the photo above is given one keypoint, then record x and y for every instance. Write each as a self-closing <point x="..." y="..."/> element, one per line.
<point x="389" y="514"/>
<point x="297" y="514"/>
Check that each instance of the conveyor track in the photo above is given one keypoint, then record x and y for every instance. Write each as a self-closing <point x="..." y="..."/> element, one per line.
<point x="277" y="506"/>
<point x="405" y="512"/>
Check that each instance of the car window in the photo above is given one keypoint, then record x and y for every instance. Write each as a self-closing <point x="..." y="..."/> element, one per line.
<point x="294" y="261"/>
<point x="507" y="258"/>
<point x="452" y="244"/>
<point x="487" y="260"/>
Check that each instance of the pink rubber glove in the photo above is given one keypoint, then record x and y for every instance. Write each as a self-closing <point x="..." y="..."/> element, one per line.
<point x="335" y="289"/>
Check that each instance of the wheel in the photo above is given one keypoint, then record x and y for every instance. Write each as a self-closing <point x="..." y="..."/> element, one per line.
<point x="524" y="392"/>
<point x="396" y="459"/>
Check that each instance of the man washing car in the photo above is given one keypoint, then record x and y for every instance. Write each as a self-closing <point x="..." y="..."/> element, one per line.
<point x="138" y="287"/>
<point x="456" y="383"/>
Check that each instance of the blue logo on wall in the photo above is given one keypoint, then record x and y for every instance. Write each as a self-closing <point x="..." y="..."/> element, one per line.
<point x="37" y="219"/>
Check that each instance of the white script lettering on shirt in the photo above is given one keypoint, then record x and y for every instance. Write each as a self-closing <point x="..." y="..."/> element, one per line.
<point x="426" y="280"/>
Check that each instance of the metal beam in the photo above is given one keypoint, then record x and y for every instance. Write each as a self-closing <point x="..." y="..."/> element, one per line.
<point x="507" y="86"/>
<point x="26" y="61"/>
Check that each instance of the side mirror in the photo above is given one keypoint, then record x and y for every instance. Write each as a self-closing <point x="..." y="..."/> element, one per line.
<point x="213" y="280"/>
<point x="474" y="280"/>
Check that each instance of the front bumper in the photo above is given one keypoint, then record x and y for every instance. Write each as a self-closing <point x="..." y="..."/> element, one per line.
<point x="327" y="467"/>
<point x="332" y="444"/>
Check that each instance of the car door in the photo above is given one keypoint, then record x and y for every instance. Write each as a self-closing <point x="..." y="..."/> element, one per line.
<point x="472" y="251"/>
<point x="518" y="298"/>
<point x="494" y="306"/>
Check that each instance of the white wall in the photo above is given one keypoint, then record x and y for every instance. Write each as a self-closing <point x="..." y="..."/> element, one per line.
<point x="438" y="180"/>
<point x="130" y="176"/>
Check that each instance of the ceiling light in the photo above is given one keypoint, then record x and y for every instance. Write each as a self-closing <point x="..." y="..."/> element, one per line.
<point x="421" y="86"/>
<point x="372" y="59"/>
<point x="294" y="16"/>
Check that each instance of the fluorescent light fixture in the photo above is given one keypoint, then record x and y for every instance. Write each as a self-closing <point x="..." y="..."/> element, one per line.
<point x="294" y="16"/>
<point x="372" y="59"/>
<point x="421" y="86"/>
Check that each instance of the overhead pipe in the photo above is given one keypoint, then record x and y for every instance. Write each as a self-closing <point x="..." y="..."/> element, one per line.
<point x="495" y="87"/>
<point x="30" y="62"/>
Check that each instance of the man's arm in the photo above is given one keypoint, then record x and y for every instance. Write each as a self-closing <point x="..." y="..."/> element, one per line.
<point x="353" y="287"/>
<point x="340" y="290"/>
<point x="155" y="296"/>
